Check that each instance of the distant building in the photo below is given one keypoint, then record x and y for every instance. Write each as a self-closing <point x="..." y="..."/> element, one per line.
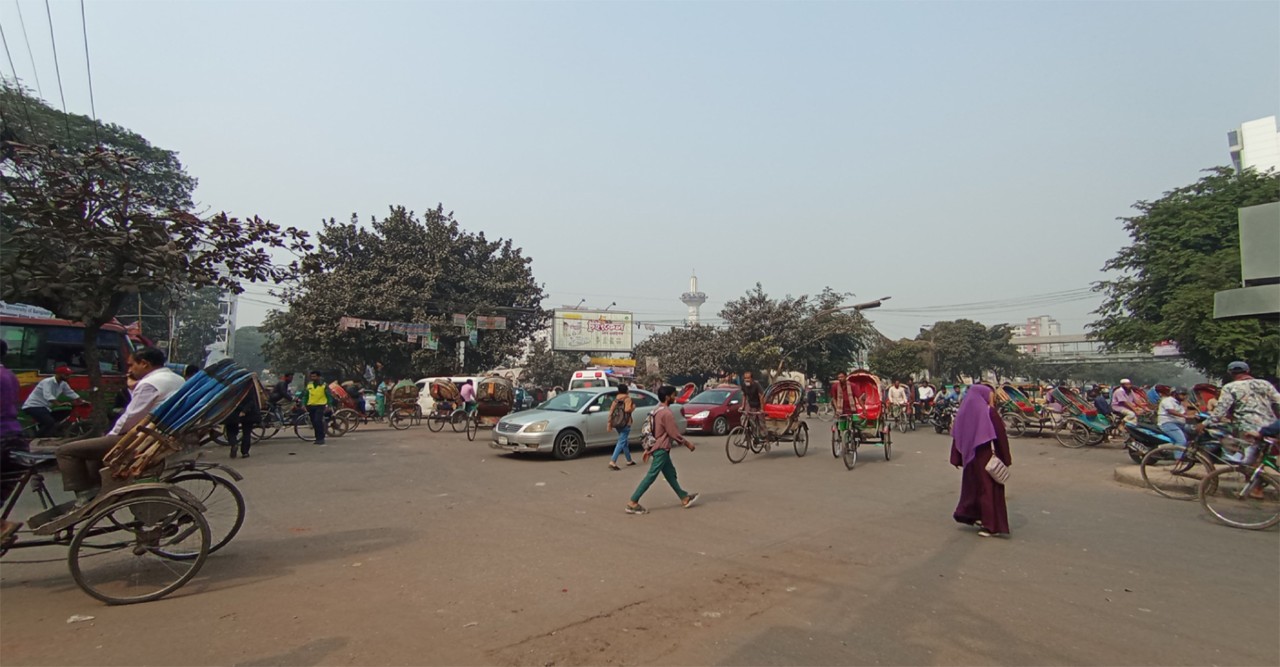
<point x="1259" y="293"/>
<point x="224" y="342"/>
<point x="1256" y="144"/>
<point x="693" y="299"/>
<point x="1036" y="327"/>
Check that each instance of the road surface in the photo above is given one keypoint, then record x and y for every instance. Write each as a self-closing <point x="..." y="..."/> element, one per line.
<point x="404" y="548"/>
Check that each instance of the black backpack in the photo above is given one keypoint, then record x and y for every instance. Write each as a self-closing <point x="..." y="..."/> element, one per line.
<point x="618" y="416"/>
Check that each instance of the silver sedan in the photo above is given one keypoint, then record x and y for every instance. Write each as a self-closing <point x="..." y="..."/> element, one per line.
<point x="572" y="421"/>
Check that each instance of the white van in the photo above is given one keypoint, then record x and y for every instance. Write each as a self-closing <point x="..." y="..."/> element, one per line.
<point x="424" y="394"/>
<point x="593" y="377"/>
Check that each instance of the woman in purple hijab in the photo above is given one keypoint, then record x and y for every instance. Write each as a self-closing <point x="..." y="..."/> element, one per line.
<point x="977" y="433"/>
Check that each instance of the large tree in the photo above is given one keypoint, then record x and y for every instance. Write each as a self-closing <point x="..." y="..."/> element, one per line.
<point x="247" y="349"/>
<point x="156" y="172"/>
<point x="795" y="333"/>
<point x="79" y="244"/>
<point x="405" y="268"/>
<point x="547" y="368"/>
<point x="1186" y="246"/>
<point x="195" y="313"/>
<point x="966" y="348"/>
<point x="899" y="359"/>
<point x="699" y="352"/>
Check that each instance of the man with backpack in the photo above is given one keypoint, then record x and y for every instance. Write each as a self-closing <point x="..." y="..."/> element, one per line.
<point x="620" y="421"/>
<point x="661" y="433"/>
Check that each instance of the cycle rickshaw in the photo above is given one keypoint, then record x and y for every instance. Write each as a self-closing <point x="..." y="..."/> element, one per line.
<point x="447" y="406"/>
<point x="494" y="398"/>
<point x="780" y="421"/>
<point x="150" y="528"/>
<point x="403" y="410"/>
<point x="869" y="423"/>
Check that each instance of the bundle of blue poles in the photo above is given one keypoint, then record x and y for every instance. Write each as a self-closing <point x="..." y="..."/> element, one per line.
<point x="203" y="401"/>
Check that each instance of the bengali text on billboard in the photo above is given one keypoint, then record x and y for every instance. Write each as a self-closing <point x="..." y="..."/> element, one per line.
<point x="592" y="331"/>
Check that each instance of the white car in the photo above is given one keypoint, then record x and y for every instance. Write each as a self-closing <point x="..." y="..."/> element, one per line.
<point x="572" y="421"/>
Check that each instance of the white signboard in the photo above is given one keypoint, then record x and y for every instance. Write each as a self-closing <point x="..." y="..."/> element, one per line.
<point x="23" y="310"/>
<point x="592" y="331"/>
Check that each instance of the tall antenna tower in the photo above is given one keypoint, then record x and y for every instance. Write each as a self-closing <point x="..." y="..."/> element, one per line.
<point x="693" y="299"/>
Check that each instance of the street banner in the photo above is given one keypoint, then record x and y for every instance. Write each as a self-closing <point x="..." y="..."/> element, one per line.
<point x="484" y="322"/>
<point x="459" y="320"/>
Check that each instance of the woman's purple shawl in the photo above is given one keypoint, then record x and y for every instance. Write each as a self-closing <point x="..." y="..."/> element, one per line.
<point x="972" y="427"/>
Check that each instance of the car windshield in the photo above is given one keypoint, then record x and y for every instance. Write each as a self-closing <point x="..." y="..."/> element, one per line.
<point x="569" y="401"/>
<point x="711" y="396"/>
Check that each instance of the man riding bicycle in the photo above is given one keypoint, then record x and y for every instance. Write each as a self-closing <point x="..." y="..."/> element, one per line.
<point x="898" y="400"/>
<point x="752" y="403"/>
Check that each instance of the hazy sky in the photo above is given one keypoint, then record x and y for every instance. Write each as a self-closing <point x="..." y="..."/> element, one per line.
<point x="940" y="153"/>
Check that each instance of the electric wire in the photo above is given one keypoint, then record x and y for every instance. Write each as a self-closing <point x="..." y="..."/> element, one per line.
<point x="26" y="40"/>
<point x="57" y="69"/>
<point x="93" y="109"/>
<point x="26" y="111"/>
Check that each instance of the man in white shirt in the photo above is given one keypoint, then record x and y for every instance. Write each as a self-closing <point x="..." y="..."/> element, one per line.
<point x="39" y="405"/>
<point x="80" y="461"/>
<point x="898" y="399"/>
<point x="1123" y="402"/>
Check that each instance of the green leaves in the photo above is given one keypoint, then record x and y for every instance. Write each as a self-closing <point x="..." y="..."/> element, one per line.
<point x="1185" y="247"/>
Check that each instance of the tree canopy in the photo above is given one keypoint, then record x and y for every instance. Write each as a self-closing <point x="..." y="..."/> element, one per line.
<point x="1185" y="247"/>
<point x="967" y="348"/>
<point x="405" y="268"/>
<point x="247" y="349"/>
<point x="545" y="367"/>
<point x="84" y="228"/>
<point x="698" y="351"/>
<point x="899" y="359"/>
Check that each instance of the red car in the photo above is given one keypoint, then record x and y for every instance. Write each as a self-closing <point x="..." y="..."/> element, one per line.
<point x="713" y="411"/>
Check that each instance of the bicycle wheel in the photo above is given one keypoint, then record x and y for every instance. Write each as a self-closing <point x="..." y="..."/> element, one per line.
<point x="1242" y="497"/>
<point x="458" y="420"/>
<point x="223" y="505"/>
<point x="801" y="440"/>
<point x="849" y="449"/>
<point x="473" y="427"/>
<point x="826" y="413"/>
<point x="1071" y="434"/>
<point x="269" y="427"/>
<point x="435" y="424"/>
<point x="302" y="428"/>
<point x="400" y="420"/>
<point x="218" y="434"/>
<point x="139" y="549"/>
<point x="837" y="445"/>
<point x="888" y="448"/>
<point x="1175" y="471"/>
<point x="735" y="445"/>
<point x="351" y="417"/>
<point x="1013" y="426"/>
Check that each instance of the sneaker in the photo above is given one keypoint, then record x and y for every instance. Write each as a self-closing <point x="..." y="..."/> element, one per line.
<point x="244" y="455"/>
<point x="689" y="500"/>
<point x="319" y="443"/>
<point x="636" y="509"/>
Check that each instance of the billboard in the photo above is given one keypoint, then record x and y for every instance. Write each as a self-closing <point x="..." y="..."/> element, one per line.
<point x="592" y="331"/>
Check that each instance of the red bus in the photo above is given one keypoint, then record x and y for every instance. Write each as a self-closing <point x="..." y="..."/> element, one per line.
<point x="38" y="345"/>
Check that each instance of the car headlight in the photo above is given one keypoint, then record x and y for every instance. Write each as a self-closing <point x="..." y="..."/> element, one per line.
<point x="702" y="415"/>
<point x="537" y="427"/>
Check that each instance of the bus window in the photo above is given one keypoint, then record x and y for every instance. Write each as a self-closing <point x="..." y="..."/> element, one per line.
<point x="41" y="347"/>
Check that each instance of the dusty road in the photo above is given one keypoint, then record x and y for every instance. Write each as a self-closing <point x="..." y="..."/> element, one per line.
<point x="415" y="548"/>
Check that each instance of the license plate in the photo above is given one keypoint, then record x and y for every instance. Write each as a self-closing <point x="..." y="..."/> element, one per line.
<point x="502" y="440"/>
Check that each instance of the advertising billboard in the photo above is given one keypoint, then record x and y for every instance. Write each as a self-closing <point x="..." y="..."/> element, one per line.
<point x="592" y="331"/>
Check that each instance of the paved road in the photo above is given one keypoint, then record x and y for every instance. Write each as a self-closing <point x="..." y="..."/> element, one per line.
<point x="414" y="548"/>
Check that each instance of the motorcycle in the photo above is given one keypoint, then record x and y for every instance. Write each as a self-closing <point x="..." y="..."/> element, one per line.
<point x="1143" y="438"/>
<point x="941" y="416"/>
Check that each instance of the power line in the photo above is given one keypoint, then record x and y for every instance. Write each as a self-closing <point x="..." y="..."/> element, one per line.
<point x="26" y="111"/>
<point x="30" y="55"/>
<point x="57" y="69"/>
<point x="93" y="109"/>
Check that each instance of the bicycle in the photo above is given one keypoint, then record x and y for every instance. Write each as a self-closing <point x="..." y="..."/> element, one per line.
<point x="899" y="414"/>
<point x="846" y="438"/>
<point x="1175" y="471"/>
<point x="67" y="424"/>
<point x="1245" y="494"/>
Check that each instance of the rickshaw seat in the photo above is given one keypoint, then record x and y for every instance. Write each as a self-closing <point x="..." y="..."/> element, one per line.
<point x="33" y="460"/>
<point x="776" y="411"/>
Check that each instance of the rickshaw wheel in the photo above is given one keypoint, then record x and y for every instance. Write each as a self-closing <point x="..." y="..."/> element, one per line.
<point x="836" y="446"/>
<point x="458" y="420"/>
<point x="1072" y="434"/>
<point x="735" y="445"/>
<point x="888" y="448"/>
<point x="1012" y="425"/>
<point x="849" y="451"/>
<point x="351" y="417"/>
<point x="223" y="506"/>
<point x="435" y="424"/>
<point x="473" y="426"/>
<point x="801" y="440"/>
<point x="399" y="420"/>
<point x="146" y="534"/>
